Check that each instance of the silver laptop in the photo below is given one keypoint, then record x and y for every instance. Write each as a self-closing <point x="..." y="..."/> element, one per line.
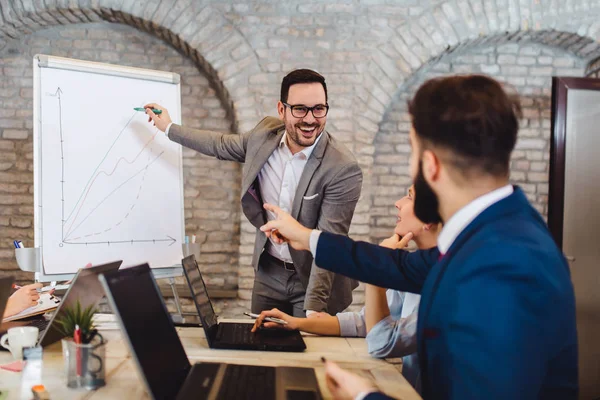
<point x="162" y="361"/>
<point x="84" y="288"/>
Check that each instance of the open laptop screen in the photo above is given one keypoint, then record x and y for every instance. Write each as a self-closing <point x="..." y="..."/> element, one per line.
<point x="85" y="290"/>
<point x="200" y="294"/>
<point x="153" y="340"/>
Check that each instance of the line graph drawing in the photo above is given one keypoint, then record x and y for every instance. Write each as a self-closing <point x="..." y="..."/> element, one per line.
<point x="72" y="222"/>
<point x="145" y="169"/>
<point x="107" y="184"/>
<point x="100" y="163"/>
<point x="92" y="180"/>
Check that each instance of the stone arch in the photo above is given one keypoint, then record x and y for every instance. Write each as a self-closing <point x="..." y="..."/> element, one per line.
<point x="593" y="69"/>
<point x="449" y="26"/>
<point x="199" y="31"/>
<point x="531" y="80"/>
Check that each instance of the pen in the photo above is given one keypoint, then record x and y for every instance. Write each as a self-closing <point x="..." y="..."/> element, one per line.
<point x="193" y="238"/>
<point x="77" y="340"/>
<point x="154" y="110"/>
<point x="268" y="319"/>
<point x="18" y="244"/>
<point x="186" y="240"/>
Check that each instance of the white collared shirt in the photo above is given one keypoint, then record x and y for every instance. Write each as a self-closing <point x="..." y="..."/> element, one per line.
<point x="463" y="217"/>
<point x="278" y="180"/>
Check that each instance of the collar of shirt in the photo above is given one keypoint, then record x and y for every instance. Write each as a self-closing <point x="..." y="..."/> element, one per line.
<point x="463" y="217"/>
<point x="307" y="151"/>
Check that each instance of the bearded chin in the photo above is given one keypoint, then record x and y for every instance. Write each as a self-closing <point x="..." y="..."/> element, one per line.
<point x="426" y="206"/>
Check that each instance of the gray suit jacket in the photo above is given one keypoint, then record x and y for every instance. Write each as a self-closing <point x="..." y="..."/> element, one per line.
<point x="325" y="199"/>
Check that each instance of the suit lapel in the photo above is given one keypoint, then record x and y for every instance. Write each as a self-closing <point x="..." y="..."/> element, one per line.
<point x="262" y="155"/>
<point x="309" y="170"/>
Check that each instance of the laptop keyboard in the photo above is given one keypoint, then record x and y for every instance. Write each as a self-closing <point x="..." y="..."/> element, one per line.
<point x="237" y="333"/>
<point x="39" y="323"/>
<point x="248" y="382"/>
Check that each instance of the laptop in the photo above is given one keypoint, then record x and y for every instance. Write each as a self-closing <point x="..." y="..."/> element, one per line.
<point x="161" y="360"/>
<point x="85" y="287"/>
<point x="231" y="335"/>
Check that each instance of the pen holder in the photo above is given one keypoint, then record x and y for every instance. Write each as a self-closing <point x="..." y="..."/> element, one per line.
<point x="191" y="248"/>
<point x="84" y="364"/>
<point x="29" y="258"/>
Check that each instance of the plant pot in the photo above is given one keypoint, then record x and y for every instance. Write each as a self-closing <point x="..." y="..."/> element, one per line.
<point x="85" y="363"/>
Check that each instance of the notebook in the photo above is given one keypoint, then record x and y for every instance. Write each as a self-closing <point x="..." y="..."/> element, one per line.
<point x="47" y="302"/>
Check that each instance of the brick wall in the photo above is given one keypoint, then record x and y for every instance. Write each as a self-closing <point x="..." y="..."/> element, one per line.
<point x="525" y="68"/>
<point x="232" y="56"/>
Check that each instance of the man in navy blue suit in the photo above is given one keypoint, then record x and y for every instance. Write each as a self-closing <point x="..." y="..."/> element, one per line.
<point x="497" y="312"/>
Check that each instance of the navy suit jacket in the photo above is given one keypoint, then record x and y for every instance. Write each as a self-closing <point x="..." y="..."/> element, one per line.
<point x="497" y="312"/>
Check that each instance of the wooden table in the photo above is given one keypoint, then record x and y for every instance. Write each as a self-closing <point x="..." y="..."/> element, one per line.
<point x="123" y="381"/>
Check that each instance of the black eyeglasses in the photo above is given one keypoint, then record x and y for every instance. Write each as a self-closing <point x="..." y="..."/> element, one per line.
<point x="300" y="110"/>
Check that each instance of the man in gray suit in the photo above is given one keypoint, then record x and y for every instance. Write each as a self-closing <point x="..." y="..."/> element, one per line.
<point x="294" y="163"/>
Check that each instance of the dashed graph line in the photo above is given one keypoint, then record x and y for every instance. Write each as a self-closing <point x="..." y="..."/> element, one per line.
<point x="126" y="215"/>
<point x="145" y="168"/>
<point x="69" y="230"/>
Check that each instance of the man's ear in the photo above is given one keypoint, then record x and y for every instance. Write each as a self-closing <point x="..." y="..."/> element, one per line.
<point x="280" y="110"/>
<point x="431" y="166"/>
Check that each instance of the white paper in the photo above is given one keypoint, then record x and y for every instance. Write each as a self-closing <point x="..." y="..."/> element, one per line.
<point x="46" y="302"/>
<point x="110" y="182"/>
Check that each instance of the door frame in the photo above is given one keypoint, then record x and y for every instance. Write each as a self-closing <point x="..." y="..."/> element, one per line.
<point x="558" y="127"/>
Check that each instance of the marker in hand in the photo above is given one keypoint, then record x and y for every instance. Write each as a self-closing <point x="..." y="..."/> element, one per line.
<point x="154" y="110"/>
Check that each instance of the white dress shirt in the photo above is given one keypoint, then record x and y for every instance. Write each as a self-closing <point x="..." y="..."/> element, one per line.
<point x="463" y="217"/>
<point x="278" y="180"/>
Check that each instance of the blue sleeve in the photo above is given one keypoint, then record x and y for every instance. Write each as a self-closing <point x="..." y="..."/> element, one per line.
<point x="390" y="338"/>
<point x="394" y="269"/>
<point x="377" y="396"/>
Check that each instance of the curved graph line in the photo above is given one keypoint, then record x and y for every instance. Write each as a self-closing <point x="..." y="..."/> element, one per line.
<point x="117" y="188"/>
<point x="69" y="230"/>
<point x="126" y="215"/>
<point x="106" y="155"/>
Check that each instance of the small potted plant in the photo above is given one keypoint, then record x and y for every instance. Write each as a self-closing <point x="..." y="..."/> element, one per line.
<point x="83" y="348"/>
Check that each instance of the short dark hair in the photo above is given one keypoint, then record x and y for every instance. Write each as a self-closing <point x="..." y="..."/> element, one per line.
<point x="472" y="117"/>
<point x="300" y="76"/>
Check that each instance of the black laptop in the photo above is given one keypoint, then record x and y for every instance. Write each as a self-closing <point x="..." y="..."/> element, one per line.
<point x="163" y="364"/>
<point x="231" y="335"/>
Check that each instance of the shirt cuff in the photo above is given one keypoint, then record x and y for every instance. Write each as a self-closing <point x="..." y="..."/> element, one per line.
<point x="350" y="324"/>
<point x="362" y="395"/>
<point x="308" y="312"/>
<point x="313" y="241"/>
<point x="168" y="127"/>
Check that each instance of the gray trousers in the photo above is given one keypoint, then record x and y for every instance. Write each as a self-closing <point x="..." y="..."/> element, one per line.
<point x="277" y="287"/>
